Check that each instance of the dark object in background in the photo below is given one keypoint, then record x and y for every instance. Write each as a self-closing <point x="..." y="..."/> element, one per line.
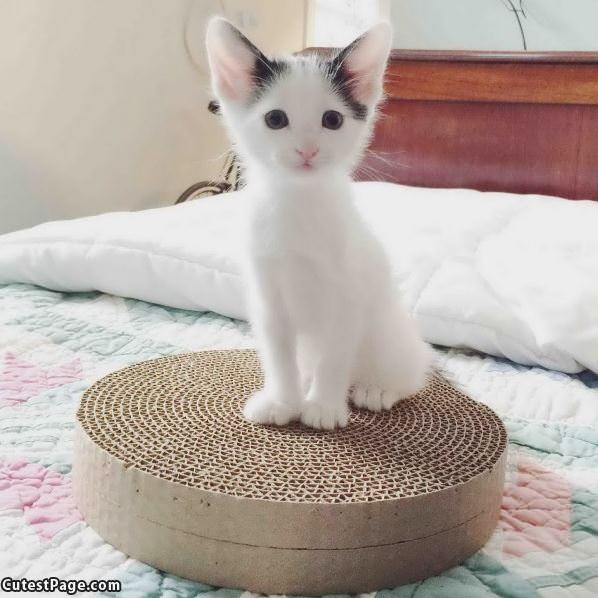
<point x="231" y="174"/>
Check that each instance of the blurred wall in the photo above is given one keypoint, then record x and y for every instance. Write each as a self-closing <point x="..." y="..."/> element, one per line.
<point x="460" y="24"/>
<point x="335" y="23"/>
<point x="103" y="104"/>
<point x="493" y="25"/>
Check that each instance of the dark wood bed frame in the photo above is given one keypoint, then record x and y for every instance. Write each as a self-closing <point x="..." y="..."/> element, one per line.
<point x="523" y="122"/>
<point x="518" y="122"/>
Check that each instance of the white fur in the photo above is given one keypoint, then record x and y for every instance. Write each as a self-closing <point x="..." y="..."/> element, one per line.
<point x="325" y="314"/>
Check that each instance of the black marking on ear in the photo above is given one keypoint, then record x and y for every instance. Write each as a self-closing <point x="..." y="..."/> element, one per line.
<point x="342" y="81"/>
<point x="265" y="70"/>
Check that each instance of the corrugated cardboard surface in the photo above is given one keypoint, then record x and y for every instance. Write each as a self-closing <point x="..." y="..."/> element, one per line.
<point x="279" y="546"/>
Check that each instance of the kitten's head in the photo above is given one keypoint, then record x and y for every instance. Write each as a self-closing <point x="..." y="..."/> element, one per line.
<point x="303" y="116"/>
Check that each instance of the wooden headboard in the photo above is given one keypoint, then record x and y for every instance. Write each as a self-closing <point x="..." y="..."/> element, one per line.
<point x="519" y="122"/>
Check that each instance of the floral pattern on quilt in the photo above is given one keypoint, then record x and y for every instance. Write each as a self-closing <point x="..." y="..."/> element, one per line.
<point x="536" y="510"/>
<point x="20" y="380"/>
<point x="44" y="496"/>
<point x="54" y="345"/>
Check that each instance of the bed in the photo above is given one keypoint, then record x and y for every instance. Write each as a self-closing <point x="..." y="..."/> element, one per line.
<point x="527" y="124"/>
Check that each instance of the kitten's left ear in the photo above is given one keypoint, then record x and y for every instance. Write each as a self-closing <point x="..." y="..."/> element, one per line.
<point x="364" y="62"/>
<point x="232" y="59"/>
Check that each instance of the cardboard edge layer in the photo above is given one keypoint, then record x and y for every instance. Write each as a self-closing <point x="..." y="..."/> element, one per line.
<point x="276" y="547"/>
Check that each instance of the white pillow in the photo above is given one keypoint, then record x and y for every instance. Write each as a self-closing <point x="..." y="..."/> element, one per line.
<point x="509" y="275"/>
<point x="182" y="256"/>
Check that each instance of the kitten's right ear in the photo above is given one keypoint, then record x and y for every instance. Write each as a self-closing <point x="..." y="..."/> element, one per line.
<point x="232" y="59"/>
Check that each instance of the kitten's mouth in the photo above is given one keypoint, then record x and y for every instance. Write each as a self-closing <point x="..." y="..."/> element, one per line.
<point x="306" y="166"/>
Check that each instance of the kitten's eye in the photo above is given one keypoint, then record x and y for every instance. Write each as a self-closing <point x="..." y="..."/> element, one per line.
<point x="277" y="119"/>
<point x="331" y="119"/>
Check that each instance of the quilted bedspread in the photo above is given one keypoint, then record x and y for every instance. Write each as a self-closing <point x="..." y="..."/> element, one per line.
<point x="54" y="345"/>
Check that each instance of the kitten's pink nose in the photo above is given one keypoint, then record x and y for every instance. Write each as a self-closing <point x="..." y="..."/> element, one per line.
<point x="307" y="153"/>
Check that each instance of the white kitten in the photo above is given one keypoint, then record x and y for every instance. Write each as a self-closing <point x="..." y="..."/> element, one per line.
<point x="325" y="314"/>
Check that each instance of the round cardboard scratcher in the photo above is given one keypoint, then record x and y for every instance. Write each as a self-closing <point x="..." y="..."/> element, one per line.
<point x="167" y="470"/>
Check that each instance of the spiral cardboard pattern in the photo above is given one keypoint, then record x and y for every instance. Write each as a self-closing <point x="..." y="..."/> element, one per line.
<point x="168" y="471"/>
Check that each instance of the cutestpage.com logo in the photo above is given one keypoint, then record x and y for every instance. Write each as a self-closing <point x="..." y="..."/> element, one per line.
<point x="54" y="584"/>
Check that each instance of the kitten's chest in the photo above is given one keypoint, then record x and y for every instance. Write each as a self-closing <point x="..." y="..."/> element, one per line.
<point x="301" y="232"/>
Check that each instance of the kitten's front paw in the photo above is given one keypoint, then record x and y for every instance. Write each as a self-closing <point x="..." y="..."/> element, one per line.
<point x="323" y="415"/>
<point x="374" y="398"/>
<point x="264" y="408"/>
